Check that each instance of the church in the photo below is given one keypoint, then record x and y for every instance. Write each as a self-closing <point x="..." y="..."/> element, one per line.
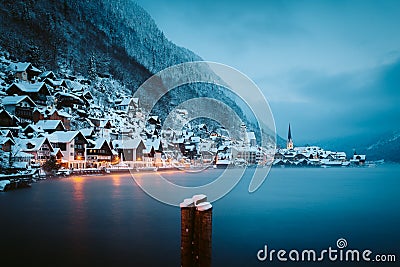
<point x="289" y="143"/>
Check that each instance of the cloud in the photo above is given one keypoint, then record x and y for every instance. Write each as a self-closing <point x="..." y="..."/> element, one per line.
<point x="358" y="103"/>
<point x="329" y="67"/>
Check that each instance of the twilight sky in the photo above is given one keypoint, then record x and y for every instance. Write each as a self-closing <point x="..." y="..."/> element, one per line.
<point x="330" y="68"/>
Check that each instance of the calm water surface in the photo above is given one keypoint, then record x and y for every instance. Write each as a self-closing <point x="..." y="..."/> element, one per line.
<point x="110" y="221"/>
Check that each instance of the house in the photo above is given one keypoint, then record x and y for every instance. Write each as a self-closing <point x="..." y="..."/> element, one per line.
<point x="57" y="85"/>
<point x="6" y="143"/>
<point x="130" y="151"/>
<point x="249" y="154"/>
<point x="87" y="95"/>
<point x="251" y="137"/>
<point x="40" y="148"/>
<point x="88" y="132"/>
<point x="7" y="133"/>
<point x="22" y="159"/>
<point x="20" y="106"/>
<point x="99" y="153"/>
<point x="47" y="74"/>
<point x="358" y="159"/>
<point x="102" y="125"/>
<point x="70" y="100"/>
<point x="128" y="106"/>
<point x="153" y="151"/>
<point x="38" y="92"/>
<point x="74" y="86"/>
<point x="279" y="156"/>
<point x="53" y="114"/>
<point x="32" y="130"/>
<point x="73" y="147"/>
<point x="7" y="120"/>
<point x="24" y="71"/>
<point x="207" y="151"/>
<point x="50" y="126"/>
<point x="57" y="154"/>
<point x="154" y="120"/>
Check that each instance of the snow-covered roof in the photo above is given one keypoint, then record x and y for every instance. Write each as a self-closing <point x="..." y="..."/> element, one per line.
<point x="156" y="142"/>
<point x="99" y="143"/>
<point x="22" y="154"/>
<point x="20" y="165"/>
<point x="127" y="144"/>
<point x="125" y="102"/>
<point x="68" y="95"/>
<point x="63" y="137"/>
<point x="195" y="139"/>
<point x="19" y="66"/>
<point x="205" y="146"/>
<point x="56" y="151"/>
<point x="14" y="100"/>
<point x="49" y="124"/>
<point x="31" y="145"/>
<point x="4" y="132"/>
<point x="4" y="140"/>
<point x="359" y="157"/>
<point x="251" y="136"/>
<point x="46" y="74"/>
<point x="30" y="87"/>
<point x="8" y="114"/>
<point x="60" y="113"/>
<point x="87" y="131"/>
<point x="74" y="86"/>
<point x="34" y="128"/>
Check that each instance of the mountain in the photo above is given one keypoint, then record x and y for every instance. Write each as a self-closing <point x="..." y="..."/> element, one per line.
<point x="108" y="37"/>
<point x="101" y="38"/>
<point x="387" y="147"/>
<point x="376" y="147"/>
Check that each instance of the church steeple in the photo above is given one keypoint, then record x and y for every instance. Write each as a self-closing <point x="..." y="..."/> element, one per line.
<point x="289" y="144"/>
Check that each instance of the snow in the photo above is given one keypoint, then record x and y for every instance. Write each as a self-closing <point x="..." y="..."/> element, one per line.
<point x="13" y="100"/>
<point x="99" y="143"/>
<point x="30" y="87"/>
<point x="49" y="124"/>
<point x="3" y="184"/>
<point x="19" y="66"/>
<point x="62" y="137"/>
<point x="36" y="143"/>
<point x="127" y="144"/>
<point x="4" y="140"/>
<point x="204" y="206"/>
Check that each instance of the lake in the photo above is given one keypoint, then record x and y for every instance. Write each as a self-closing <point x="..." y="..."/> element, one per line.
<point x="109" y="220"/>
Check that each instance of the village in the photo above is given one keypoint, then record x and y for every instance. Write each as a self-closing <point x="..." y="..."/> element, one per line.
<point x="64" y="124"/>
<point x="314" y="156"/>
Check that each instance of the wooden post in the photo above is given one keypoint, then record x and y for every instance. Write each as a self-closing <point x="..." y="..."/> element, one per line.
<point x="202" y="234"/>
<point x="187" y="229"/>
<point x="196" y="230"/>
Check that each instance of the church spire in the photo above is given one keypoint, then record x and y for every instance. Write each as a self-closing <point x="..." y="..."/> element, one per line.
<point x="289" y="144"/>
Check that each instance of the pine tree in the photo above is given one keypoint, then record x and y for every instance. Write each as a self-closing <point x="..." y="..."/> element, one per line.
<point x="51" y="165"/>
<point x="92" y="72"/>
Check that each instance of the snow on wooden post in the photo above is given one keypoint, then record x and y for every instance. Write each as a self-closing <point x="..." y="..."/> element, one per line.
<point x="196" y="229"/>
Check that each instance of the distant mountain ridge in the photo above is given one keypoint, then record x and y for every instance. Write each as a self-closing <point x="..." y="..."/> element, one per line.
<point x="375" y="147"/>
<point x="387" y="147"/>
